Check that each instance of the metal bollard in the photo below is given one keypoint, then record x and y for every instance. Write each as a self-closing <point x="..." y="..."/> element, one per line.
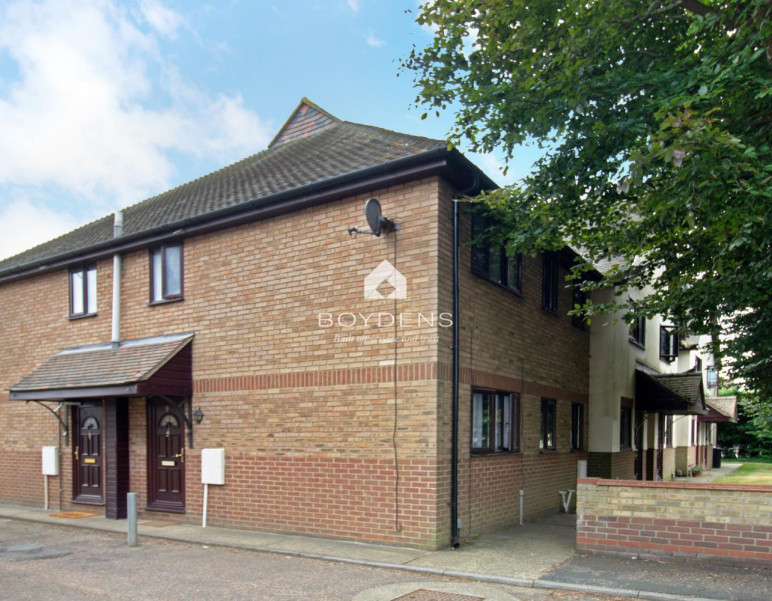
<point x="131" y="499"/>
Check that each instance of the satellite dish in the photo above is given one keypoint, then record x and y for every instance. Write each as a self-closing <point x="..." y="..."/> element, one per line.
<point x="373" y="215"/>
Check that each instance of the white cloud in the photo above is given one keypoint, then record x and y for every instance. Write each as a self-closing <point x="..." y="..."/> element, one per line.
<point x="374" y="41"/>
<point x="27" y="224"/>
<point x="353" y="5"/>
<point x="163" y="20"/>
<point x="97" y="110"/>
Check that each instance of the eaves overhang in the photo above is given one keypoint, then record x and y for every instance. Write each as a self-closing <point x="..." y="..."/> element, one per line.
<point x="449" y="164"/>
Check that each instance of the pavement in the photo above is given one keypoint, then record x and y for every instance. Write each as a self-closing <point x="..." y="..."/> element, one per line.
<point x="540" y="555"/>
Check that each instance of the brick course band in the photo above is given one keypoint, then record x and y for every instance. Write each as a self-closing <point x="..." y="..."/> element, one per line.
<point x="724" y="521"/>
<point x="409" y="372"/>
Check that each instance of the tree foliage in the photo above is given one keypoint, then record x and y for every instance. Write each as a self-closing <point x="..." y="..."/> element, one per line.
<point x="753" y="431"/>
<point x="656" y="117"/>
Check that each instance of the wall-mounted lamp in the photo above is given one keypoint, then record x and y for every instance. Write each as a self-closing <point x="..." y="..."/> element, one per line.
<point x="198" y="416"/>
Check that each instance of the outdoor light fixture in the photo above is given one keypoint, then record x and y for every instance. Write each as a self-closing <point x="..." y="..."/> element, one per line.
<point x="198" y="416"/>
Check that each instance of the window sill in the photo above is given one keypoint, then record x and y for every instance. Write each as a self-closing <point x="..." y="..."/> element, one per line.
<point x="518" y="293"/>
<point x="634" y="342"/>
<point x="166" y="301"/>
<point x="547" y="451"/>
<point x="493" y="453"/>
<point x="550" y="311"/>
<point x="84" y="316"/>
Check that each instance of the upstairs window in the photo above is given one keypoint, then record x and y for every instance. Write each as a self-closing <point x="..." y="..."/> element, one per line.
<point x="549" y="294"/>
<point x="166" y="273"/>
<point x="492" y="262"/>
<point x="549" y="425"/>
<point x="83" y="293"/>
<point x="668" y="343"/>
<point x="495" y="422"/>
<point x="637" y="331"/>
<point x="712" y="377"/>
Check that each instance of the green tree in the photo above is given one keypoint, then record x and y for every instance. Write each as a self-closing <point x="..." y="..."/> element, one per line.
<point x="656" y="120"/>
<point x="753" y="430"/>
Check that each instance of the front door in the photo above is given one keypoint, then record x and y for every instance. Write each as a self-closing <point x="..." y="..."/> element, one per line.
<point x="166" y="458"/>
<point x="87" y="454"/>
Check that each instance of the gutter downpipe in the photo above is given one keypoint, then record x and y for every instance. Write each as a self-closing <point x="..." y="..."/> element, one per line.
<point x="116" y="313"/>
<point x="454" y="527"/>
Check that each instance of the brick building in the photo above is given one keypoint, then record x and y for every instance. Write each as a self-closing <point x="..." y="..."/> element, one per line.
<point x="242" y="311"/>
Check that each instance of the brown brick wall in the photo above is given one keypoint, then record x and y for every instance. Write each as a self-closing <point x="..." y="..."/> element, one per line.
<point x="308" y="420"/>
<point x="727" y="522"/>
<point x="508" y="342"/>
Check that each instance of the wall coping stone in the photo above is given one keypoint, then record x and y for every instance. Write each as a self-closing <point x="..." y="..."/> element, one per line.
<point x="676" y="485"/>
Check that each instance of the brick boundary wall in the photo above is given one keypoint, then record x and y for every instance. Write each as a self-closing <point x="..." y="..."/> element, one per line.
<point x="702" y="521"/>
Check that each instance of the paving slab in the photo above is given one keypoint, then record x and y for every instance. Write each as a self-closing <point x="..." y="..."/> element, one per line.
<point x="526" y="552"/>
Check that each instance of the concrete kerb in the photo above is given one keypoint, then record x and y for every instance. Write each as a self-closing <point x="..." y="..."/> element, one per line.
<point x="668" y="597"/>
<point x="468" y="576"/>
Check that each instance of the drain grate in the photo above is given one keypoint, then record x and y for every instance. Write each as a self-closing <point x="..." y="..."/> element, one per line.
<point x="426" y="595"/>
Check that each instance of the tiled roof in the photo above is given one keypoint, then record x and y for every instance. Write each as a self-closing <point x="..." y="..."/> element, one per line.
<point x="102" y="365"/>
<point x="339" y="150"/>
<point x="687" y="386"/>
<point x="680" y="394"/>
<point x="724" y="405"/>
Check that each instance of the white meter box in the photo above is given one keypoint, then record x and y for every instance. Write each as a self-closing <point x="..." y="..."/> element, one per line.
<point x="50" y="461"/>
<point x="212" y="466"/>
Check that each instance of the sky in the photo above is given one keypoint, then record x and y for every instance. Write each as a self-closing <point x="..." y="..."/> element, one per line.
<point x="104" y="103"/>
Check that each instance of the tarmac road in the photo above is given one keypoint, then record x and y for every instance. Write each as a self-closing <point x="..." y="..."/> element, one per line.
<point x="40" y="562"/>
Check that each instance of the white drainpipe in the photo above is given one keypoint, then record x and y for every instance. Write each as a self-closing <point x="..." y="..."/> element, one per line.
<point x="116" y="329"/>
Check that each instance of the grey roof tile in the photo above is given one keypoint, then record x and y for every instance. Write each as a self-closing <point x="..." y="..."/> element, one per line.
<point x="339" y="150"/>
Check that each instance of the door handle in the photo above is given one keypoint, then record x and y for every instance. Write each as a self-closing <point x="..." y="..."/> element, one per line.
<point x="181" y="455"/>
<point x="77" y="453"/>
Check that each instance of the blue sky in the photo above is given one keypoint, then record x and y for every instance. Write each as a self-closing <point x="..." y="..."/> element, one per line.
<point x="104" y="103"/>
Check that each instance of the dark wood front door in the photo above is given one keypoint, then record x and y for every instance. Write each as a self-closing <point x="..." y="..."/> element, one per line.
<point x="166" y="458"/>
<point x="87" y="454"/>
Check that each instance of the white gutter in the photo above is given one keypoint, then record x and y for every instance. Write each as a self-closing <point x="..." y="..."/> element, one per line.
<point x="116" y="322"/>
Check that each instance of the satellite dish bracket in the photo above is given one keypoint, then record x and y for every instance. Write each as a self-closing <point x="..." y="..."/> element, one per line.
<point x="377" y="222"/>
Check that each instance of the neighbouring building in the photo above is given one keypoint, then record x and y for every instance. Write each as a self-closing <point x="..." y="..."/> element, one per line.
<point x="649" y="387"/>
<point x="250" y="311"/>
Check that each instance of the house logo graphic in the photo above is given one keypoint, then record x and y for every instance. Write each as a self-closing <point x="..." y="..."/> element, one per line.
<point x="385" y="282"/>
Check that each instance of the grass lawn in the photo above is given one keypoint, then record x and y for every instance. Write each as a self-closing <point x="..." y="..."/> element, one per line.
<point x="749" y="473"/>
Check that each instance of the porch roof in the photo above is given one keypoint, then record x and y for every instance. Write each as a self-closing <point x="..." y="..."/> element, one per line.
<point x="159" y="365"/>
<point x="721" y="409"/>
<point x="672" y="394"/>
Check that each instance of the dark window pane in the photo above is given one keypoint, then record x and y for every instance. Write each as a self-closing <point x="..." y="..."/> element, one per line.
<point x="514" y="265"/>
